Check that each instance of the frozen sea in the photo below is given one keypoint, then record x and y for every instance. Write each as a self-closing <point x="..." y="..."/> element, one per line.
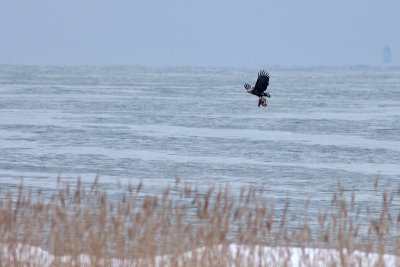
<point x="323" y="124"/>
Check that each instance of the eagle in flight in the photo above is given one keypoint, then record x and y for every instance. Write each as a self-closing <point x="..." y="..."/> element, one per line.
<point x="260" y="88"/>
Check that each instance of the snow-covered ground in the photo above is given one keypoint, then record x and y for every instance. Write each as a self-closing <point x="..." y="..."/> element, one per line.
<point x="230" y="255"/>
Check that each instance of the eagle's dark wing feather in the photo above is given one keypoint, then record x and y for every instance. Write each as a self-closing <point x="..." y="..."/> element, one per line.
<point x="262" y="82"/>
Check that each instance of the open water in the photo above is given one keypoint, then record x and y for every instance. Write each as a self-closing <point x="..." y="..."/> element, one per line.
<point x="322" y="125"/>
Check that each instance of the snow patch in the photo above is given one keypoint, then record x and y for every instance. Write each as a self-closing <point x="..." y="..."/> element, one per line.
<point x="231" y="255"/>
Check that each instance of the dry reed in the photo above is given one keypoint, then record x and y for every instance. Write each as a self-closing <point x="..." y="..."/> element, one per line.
<point x="185" y="226"/>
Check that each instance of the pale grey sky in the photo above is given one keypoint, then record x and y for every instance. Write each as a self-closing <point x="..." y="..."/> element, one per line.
<point x="199" y="32"/>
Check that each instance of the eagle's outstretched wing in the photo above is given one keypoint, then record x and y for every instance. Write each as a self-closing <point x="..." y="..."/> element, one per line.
<point x="247" y="86"/>
<point x="262" y="82"/>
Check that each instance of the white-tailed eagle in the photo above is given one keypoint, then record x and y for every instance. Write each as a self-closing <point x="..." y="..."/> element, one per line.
<point x="260" y="88"/>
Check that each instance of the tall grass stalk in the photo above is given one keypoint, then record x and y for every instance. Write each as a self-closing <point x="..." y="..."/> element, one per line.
<point x="185" y="226"/>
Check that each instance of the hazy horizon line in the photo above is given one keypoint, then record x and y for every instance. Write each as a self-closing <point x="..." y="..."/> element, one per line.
<point x="283" y="66"/>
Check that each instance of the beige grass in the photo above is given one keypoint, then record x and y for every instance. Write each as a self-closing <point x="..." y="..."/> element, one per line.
<point x="137" y="228"/>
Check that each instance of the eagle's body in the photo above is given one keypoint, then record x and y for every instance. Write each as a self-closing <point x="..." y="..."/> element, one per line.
<point x="260" y="88"/>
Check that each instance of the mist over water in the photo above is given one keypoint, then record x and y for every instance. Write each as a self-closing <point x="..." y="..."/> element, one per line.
<point x="153" y="124"/>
